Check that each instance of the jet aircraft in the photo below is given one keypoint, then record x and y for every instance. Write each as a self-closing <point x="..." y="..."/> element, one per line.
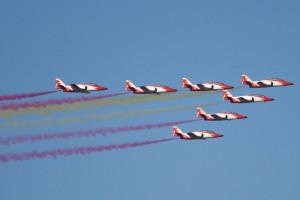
<point x="82" y="87"/>
<point x="201" y="134"/>
<point x="204" y="86"/>
<point x="271" y="82"/>
<point x="246" y="98"/>
<point x="151" y="89"/>
<point x="218" y="116"/>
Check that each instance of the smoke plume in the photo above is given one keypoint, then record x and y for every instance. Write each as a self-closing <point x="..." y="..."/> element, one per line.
<point x="24" y="95"/>
<point x="73" y="151"/>
<point x="86" y="133"/>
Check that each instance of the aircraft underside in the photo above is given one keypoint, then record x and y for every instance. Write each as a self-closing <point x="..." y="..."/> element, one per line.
<point x="243" y="100"/>
<point x="202" y="87"/>
<point x="262" y="84"/>
<point x="193" y="136"/>
<point x="217" y="117"/>
<point x="148" y="91"/>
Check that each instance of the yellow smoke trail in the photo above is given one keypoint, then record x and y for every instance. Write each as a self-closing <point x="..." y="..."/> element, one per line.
<point x="94" y="117"/>
<point x="107" y="102"/>
<point x="102" y="103"/>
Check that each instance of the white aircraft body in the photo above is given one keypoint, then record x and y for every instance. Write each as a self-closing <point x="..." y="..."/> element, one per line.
<point x="210" y="86"/>
<point x="201" y="134"/>
<point x="218" y="116"/>
<point x="271" y="82"/>
<point x="81" y="87"/>
<point x="246" y="98"/>
<point x="151" y="89"/>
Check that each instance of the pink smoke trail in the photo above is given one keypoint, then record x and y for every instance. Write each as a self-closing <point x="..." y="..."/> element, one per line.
<point x="37" y="104"/>
<point x="25" y="95"/>
<point x="73" y="151"/>
<point x="88" y="133"/>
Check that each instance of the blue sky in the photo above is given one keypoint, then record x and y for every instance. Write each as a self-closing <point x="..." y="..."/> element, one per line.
<point x="108" y="42"/>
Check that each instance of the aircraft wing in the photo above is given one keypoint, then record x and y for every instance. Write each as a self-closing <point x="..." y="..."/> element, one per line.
<point x="262" y="84"/>
<point x="217" y="117"/>
<point x="244" y="100"/>
<point x="75" y="87"/>
<point x="78" y="89"/>
<point x="147" y="91"/>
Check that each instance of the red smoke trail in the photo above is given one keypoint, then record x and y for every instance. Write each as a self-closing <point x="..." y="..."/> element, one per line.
<point x="88" y="133"/>
<point x="37" y="104"/>
<point x="73" y="151"/>
<point x="25" y="95"/>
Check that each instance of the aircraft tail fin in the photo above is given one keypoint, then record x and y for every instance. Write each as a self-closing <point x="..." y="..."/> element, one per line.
<point x="186" y="83"/>
<point x="59" y="84"/>
<point x="129" y="85"/>
<point x="200" y="112"/>
<point x="176" y="131"/>
<point x="226" y="95"/>
<point x="245" y="79"/>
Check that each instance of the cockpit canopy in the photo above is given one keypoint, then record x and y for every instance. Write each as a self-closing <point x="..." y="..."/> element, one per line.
<point x="275" y="79"/>
<point x="206" y="131"/>
<point x="257" y="95"/>
<point x="231" y="113"/>
<point x="160" y="85"/>
<point x="216" y="83"/>
<point x="90" y="84"/>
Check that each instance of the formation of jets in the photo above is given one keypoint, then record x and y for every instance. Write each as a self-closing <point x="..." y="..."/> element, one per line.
<point x="209" y="86"/>
<point x="157" y="88"/>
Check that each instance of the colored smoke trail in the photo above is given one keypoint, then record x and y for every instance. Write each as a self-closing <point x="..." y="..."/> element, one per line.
<point x="25" y="95"/>
<point x="74" y="151"/>
<point x="94" y="117"/>
<point x="50" y="102"/>
<point x="87" y="133"/>
<point x="11" y="110"/>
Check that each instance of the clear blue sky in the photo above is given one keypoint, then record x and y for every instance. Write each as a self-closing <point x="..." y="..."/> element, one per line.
<point x="108" y="42"/>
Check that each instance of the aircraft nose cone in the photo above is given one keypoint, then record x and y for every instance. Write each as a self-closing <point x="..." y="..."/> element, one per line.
<point x="215" y="135"/>
<point x="268" y="99"/>
<point x="101" y="88"/>
<point x="228" y="87"/>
